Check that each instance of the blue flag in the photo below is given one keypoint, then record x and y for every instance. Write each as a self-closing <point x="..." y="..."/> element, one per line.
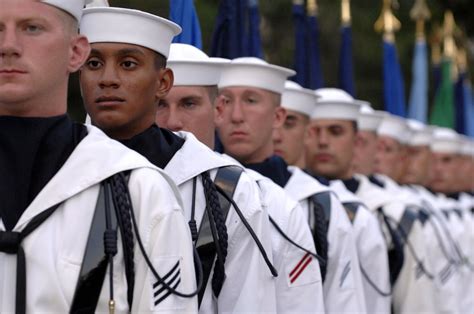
<point x="346" y="68"/>
<point x="300" y="57"/>
<point x="394" y="91"/>
<point x="184" y="13"/>
<point x="255" y="42"/>
<point x="418" y="106"/>
<point x="469" y="109"/>
<point x="314" y="74"/>
<point x="459" y="104"/>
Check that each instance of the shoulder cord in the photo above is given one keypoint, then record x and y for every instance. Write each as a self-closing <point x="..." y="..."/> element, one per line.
<point x="120" y="181"/>
<point x="373" y="285"/>
<point x="321" y="234"/>
<point x="249" y="229"/>
<point x="218" y="230"/>
<point x="420" y="264"/>
<point x="110" y="246"/>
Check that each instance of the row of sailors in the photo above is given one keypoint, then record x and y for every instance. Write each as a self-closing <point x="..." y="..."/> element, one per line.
<point x="316" y="204"/>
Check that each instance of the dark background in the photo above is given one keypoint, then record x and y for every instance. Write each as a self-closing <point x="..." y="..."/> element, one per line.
<point x="278" y="38"/>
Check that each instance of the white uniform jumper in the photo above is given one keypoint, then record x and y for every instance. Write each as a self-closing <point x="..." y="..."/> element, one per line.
<point x="371" y="249"/>
<point x="299" y="284"/>
<point x="343" y="272"/>
<point x="55" y="250"/>
<point x="249" y="285"/>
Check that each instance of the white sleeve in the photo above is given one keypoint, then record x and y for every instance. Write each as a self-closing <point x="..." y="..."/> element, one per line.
<point x="373" y="259"/>
<point x="249" y="284"/>
<point x="167" y="241"/>
<point x="299" y="284"/>
<point x="343" y="276"/>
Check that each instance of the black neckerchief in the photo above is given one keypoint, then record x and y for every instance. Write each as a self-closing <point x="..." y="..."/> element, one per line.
<point x="455" y="196"/>
<point x="351" y="184"/>
<point x="32" y="150"/>
<point x="156" y="144"/>
<point x="376" y="181"/>
<point x="320" y="179"/>
<point x="274" y="168"/>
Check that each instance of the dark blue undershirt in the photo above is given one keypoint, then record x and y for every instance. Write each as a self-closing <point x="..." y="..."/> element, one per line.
<point x="274" y="168"/>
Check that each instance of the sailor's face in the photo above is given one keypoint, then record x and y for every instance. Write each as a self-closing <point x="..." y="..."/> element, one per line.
<point x="390" y="158"/>
<point x="444" y="172"/>
<point x="121" y="85"/>
<point x="364" y="153"/>
<point x="330" y="148"/>
<point x="288" y="140"/>
<point x="418" y="159"/>
<point x="189" y="108"/>
<point x="37" y="53"/>
<point x="246" y="120"/>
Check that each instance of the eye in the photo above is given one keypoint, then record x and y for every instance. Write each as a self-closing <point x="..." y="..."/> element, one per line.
<point x="33" y="28"/>
<point x="251" y="100"/>
<point x="188" y="104"/>
<point x="129" y="64"/>
<point x="162" y="104"/>
<point x="93" y="64"/>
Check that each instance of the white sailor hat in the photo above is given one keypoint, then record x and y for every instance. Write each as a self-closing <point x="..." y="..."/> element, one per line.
<point x="420" y="134"/>
<point x="73" y="7"/>
<point x="334" y="103"/>
<point x="394" y="127"/>
<point x="467" y="146"/>
<point x="255" y="72"/>
<point x="192" y="67"/>
<point x="98" y="3"/>
<point x="298" y="99"/>
<point x="368" y="119"/>
<point x="445" y="140"/>
<point x="118" y="25"/>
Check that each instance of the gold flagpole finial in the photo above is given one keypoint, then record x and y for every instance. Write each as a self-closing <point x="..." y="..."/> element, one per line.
<point x="435" y="42"/>
<point x="387" y="23"/>
<point x="298" y="2"/>
<point x="448" y="35"/>
<point x="420" y="13"/>
<point x="311" y="7"/>
<point x="346" y="12"/>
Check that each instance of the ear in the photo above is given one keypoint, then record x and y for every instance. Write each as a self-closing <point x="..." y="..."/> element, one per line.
<point x="280" y="116"/>
<point x="79" y="52"/>
<point x="219" y="110"/>
<point x="165" y="80"/>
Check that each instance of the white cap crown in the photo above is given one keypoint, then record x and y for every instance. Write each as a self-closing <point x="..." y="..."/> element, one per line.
<point x="73" y="7"/>
<point x="446" y="140"/>
<point x="298" y="99"/>
<point x="368" y="119"/>
<point x="394" y="127"/>
<point x="255" y="72"/>
<point x="192" y="67"/>
<point x="420" y="134"/>
<point x="118" y="25"/>
<point x="334" y="103"/>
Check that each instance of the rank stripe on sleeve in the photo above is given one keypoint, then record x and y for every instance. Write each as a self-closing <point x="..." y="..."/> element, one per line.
<point x="300" y="267"/>
<point x="173" y="282"/>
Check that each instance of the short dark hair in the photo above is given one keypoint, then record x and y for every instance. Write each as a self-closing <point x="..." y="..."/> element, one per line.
<point x="160" y="61"/>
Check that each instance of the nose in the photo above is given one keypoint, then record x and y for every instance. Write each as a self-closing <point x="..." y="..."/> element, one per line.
<point x="9" y="43"/>
<point x="174" y="122"/>
<point x="322" y="137"/>
<point x="109" y="77"/>
<point x="277" y="136"/>
<point x="237" y="114"/>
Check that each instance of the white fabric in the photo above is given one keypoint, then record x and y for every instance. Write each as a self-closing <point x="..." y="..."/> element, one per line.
<point x="255" y="72"/>
<point x="341" y="240"/>
<point x="368" y="119"/>
<point x="333" y="103"/>
<point x="249" y="285"/>
<point x="372" y="252"/>
<point x="304" y="294"/>
<point x="73" y="7"/>
<point x="119" y="25"/>
<point x="192" y="67"/>
<point x="298" y="99"/>
<point x="98" y="3"/>
<point x="420" y="134"/>
<point x="54" y="251"/>
<point x="394" y="127"/>
<point x="446" y="141"/>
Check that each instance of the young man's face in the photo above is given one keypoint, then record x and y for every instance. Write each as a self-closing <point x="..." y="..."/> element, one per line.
<point x="288" y="140"/>
<point x="418" y="164"/>
<point x="445" y="172"/>
<point x="329" y="148"/>
<point x="189" y="108"/>
<point x="121" y="85"/>
<point x="246" y="119"/>
<point x="38" y="50"/>
<point x="390" y="158"/>
<point x="364" y="153"/>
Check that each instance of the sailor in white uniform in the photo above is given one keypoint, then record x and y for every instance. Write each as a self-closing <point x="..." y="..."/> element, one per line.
<point x="59" y="250"/>
<point x="128" y="69"/>
<point x="333" y="131"/>
<point x="337" y="242"/>
<point x="250" y="90"/>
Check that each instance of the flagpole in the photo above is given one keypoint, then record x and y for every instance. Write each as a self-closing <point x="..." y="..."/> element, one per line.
<point x="345" y="12"/>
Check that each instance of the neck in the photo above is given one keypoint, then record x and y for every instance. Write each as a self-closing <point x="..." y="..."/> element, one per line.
<point x="301" y="162"/>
